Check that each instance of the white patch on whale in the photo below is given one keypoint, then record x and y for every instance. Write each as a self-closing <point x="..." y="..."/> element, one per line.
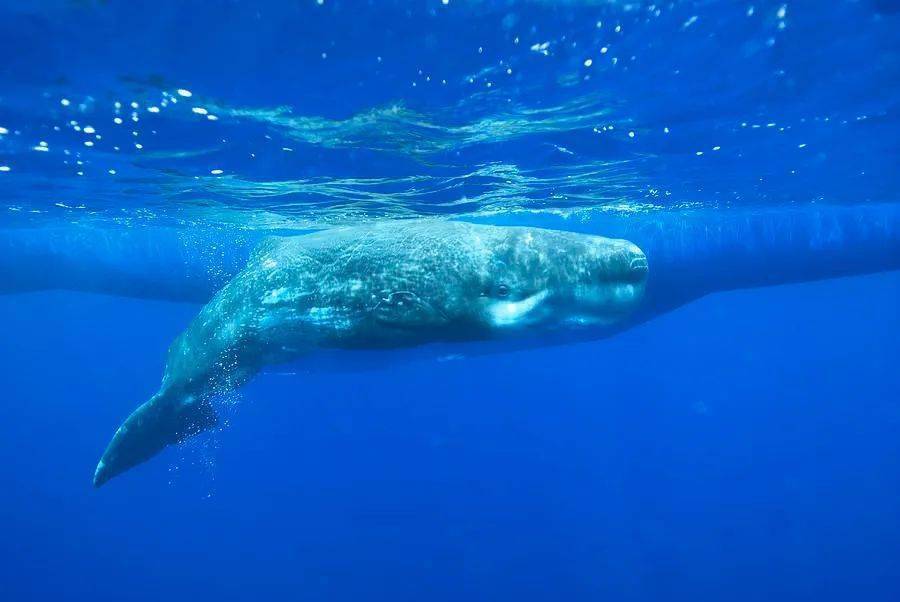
<point x="510" y="313"/>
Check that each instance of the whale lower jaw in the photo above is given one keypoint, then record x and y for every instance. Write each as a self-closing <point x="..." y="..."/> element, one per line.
<point x="504" y="314"/>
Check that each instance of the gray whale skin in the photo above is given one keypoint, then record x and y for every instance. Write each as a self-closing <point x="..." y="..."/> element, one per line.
<point x="384" y="286"/>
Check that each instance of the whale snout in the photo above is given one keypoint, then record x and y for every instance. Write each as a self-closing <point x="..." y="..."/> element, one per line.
<point x="615" y="284"/>
<point x="625" y="263"/>
<point x="633" y="275"/>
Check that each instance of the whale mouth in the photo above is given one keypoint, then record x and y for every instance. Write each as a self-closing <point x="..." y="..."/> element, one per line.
<point x="516" y="313"/>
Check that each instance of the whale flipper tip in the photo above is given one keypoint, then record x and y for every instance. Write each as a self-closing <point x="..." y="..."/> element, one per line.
<point x="156" y="424"/>
<point x="101" y="475"/>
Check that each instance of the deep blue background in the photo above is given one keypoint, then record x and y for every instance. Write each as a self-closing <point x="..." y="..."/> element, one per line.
<point x="744" y="447"/>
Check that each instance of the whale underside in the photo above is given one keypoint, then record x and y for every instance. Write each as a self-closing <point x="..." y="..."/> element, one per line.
<point x="642" y="266"/>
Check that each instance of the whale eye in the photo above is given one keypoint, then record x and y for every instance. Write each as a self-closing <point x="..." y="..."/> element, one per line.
<point x="502" y="290"/>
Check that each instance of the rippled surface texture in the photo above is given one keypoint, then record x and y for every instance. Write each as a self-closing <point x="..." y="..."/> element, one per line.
<point x="307" y="113"/>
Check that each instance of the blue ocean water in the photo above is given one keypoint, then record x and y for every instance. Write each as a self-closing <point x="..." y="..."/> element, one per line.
<point x="743" y="446"/>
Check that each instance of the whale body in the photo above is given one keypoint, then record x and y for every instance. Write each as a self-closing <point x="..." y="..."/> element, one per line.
<point x="388" y="285"/>
<point x="688" y="254"/>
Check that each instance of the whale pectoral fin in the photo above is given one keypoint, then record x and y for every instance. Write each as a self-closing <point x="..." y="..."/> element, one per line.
<point x="158" y="423"/>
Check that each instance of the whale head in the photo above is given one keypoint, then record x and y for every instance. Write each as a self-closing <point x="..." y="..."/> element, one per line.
<point x="500" y="281"/>
<point x="538" y="279"/>
<point x="456" y="280"/>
